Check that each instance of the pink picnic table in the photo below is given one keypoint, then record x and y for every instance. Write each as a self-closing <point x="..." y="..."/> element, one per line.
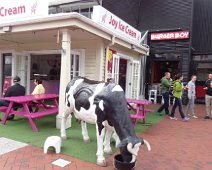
<point x="41" y="110"/>
<point x="138" y="106"/>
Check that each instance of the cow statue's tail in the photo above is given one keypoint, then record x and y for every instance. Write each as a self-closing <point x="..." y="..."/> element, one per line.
<point x="147" y="144"/>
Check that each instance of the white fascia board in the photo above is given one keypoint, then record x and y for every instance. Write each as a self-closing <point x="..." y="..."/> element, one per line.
<point x="67" y="16"/>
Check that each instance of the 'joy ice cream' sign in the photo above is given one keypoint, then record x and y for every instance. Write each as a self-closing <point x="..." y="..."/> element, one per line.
<point x="114" y="23"/>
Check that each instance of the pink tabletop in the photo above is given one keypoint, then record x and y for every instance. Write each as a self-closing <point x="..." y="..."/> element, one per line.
<point x="141" y="102"/>
<point x="28" y="98"/>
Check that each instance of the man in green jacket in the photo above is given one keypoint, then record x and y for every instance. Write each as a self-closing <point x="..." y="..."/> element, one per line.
<point x="166" y="82"/>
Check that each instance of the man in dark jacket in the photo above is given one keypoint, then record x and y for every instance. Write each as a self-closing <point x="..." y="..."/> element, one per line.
<point x="208" y="97"/>
<point x="166" y="82"/>
<point x="15" y="90"/>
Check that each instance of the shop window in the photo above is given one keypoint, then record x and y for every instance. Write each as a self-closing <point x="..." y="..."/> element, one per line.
<point x="47" y="67"/>
<point x="83" y="7"/>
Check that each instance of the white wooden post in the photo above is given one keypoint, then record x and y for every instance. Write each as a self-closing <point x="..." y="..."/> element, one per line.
<point x="64" y="75"/>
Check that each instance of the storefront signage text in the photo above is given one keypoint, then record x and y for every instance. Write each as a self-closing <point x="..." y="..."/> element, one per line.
<point x="12" y="11"/>
<point x="112" y="22"/>
<point x="122" y="27"/>
<point x="22" y="9"/>
<point x="170" y="35"/>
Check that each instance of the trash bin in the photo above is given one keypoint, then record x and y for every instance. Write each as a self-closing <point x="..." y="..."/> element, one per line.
<point x="120" y="165"/>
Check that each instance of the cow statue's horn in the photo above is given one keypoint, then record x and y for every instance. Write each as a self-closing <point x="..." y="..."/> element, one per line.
<point x="147" y="144"/>
<point x="133" y="150"/>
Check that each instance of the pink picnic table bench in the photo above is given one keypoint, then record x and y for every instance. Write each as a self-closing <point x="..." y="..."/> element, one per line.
<point x="41" y="108"/>
<point x="138" y="107"/>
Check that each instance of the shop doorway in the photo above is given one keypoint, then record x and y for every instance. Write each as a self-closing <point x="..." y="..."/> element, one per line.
<point x="160" y="67"/>
<point x="123" y="73"/>
<point x="14" y="64"/>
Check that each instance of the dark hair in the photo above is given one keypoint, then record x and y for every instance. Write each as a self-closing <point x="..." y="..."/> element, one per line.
<point x="177" y="76"/>
<point x="192" y="75"/>
<point x="38" y="80"/>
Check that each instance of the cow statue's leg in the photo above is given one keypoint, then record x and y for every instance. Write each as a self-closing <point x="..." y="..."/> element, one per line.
<point x="85" y="132"/>
<point x="116" y="138"/>
<point x="100" y="154"/>
<point x="65" y="115"/>
<point x="108" y="134"/>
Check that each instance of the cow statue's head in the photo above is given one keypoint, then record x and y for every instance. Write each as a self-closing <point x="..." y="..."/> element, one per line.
<point x="129" y="148"/>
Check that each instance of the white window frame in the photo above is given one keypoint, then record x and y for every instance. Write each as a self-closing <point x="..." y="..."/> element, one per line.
<point x="115" y="68"/>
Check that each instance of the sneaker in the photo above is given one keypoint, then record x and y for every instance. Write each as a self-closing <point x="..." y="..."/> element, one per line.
<point x="195" y="117"/>
<point x="186" y="119"/>
<point x="206" y="117"/>
<point x="173" y="118"/>
<point x="188" y="114"/>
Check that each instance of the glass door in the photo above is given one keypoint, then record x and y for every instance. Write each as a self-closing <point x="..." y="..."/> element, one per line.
<point x="135" y="79"/>
<point x="76" y="64"/>
<point x="21" y="68"/>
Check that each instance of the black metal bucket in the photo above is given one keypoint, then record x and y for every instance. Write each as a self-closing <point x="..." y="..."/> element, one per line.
<point x="120" y="165"/>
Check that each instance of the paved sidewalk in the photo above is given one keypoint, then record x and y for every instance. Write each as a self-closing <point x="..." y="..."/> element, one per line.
<point x="176" y="145"/>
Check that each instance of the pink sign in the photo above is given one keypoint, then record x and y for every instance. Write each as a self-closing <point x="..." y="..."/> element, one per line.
<point x="170" y="35"/>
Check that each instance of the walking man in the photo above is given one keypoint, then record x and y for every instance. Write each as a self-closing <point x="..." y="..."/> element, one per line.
<point x="166" y="82"/>
<point x="191" y="96"/>
<point x="208" y="97"/>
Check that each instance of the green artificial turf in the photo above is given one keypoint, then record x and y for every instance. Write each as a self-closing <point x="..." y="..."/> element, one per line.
<point x="19" y="129"/>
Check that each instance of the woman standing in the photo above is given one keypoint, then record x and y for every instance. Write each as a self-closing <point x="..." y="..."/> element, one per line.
<point x="177" y="93"/>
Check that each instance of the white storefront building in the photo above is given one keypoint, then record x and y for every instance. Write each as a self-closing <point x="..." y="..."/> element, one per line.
<point x="34" y="43"/>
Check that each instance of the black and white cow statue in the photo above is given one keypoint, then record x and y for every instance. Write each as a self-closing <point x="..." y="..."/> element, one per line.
<point x="104" y="105"/>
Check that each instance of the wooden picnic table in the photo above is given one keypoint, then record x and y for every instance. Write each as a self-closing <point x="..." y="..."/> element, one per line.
<point x="138" y="107"/>
<point x="41" y="109"/>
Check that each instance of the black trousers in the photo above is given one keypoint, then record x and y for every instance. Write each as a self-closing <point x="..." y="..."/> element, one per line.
<point x="165" y="104"/>
<point x="177" y="102"/>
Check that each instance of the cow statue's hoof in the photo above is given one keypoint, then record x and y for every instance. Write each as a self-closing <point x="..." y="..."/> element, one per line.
<point x="87" y="140"/>
<point x="101" y="162"/>
<point x="64" y="137"/>
<point x="109" y="151"/>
